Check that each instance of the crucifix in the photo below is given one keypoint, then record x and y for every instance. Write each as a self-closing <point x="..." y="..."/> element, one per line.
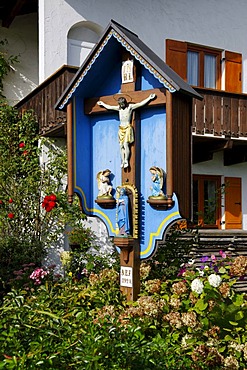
<point x="149" y="98"/>
<point x="129" y="140"/>
<point x="125" y="133"/>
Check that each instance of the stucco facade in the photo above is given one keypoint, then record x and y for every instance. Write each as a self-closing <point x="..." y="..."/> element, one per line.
<point x="22" y="37"/>
<point x="216" y="23"/>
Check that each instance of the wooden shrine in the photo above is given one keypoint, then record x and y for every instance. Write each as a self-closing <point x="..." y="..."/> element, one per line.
<point x="129" y="145"/>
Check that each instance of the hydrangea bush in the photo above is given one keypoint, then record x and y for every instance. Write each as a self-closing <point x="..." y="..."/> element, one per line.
<point x="194" y="319"/>
<point x="209" y="314"/>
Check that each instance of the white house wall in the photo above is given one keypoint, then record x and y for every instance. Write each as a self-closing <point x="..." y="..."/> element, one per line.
<point x="217" y="23"/>
<point x="22" y="40"/>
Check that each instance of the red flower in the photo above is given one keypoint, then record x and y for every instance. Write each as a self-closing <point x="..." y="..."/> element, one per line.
<point x="53" y="197"/>
<point x="49" y="202"/>
<point x="10" y="200"/>
<point x="11" y="215"/>
<point x="1" y="202"/>
<point x="21" y="145"/>
<point x="25" y="152"/>
<point x="52" y="204"/>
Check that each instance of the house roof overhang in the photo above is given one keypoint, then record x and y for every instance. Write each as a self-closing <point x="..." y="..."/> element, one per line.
<point x="9" y="9"/>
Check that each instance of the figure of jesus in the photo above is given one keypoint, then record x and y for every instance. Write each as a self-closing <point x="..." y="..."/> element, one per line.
<point x="125" y="132"/>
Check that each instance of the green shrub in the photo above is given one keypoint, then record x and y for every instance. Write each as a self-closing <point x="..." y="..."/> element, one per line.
<point x="193" y="321"/>
<point x="33" y="203"/>
<point x="15" y="256"/>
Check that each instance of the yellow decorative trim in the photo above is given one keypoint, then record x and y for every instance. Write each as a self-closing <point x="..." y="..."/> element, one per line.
<point x="96" y="211"/>
<point x="152" y="235"/>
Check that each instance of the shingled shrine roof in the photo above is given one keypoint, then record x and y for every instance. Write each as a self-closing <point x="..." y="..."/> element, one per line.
<point x="139" y="50"/>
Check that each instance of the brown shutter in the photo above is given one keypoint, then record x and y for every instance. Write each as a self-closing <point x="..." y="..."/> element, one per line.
<point x="233" y="72"/>
<point x="176" y="57"/>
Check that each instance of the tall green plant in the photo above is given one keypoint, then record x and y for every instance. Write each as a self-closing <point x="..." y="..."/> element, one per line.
<point x="33" y="203"/>
<point x="6" y="61"/>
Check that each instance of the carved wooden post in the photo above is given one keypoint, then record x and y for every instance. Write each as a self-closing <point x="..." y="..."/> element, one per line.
<point x="169" y="148"/>
<point x="130" y="267"/>
<point x="70" y="151"/>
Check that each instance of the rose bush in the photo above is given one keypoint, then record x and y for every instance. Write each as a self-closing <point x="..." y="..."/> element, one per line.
<point x="33" y="201"/>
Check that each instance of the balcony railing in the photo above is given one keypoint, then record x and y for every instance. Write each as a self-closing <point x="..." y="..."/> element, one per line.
<point x="42" y="101"/>
<point x="220" y="114"/>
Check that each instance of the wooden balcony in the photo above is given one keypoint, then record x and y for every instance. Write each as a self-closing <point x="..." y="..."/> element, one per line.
<point x="42" y="101"/>
<point x="219" y="122"/>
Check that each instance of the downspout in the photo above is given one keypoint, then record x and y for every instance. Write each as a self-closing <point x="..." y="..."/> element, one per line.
<point x="169" y="149"/>
<point x="70" y="152"/>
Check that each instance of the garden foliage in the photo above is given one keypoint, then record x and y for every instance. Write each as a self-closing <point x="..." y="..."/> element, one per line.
<point x="193" y="319"/>
<point x="186" y="317"/>
<point x="33" y="201"/>
<point x="6" y="62"/>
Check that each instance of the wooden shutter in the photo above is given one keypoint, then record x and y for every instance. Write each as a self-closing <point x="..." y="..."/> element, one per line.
<point x="176" y="57"/>
<point x="233" y="72"/>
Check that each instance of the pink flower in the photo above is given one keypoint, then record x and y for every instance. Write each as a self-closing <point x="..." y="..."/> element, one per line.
<point x="223" y="254"/>
<point x="213" y="258"/>
<point x="37" y="275"/>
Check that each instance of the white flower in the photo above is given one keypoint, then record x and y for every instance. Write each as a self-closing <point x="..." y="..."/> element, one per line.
<point x="201" y="272"/>
<point x="191" y="262"/>
<point x="214" y="280"/>
<point x="197" y="286"/>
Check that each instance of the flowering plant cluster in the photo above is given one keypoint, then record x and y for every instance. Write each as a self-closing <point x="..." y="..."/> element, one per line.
<point x="28" y="230"/>
<point x="22" y="145"/>
<point x="81" y="235"/>
<point x="203" y="310"/>
<point x="194" y="320"/>
<point x="7" y="207"/>
<point x="49" y="202"/>
<point x="37" y="275"/>
<point x="29" y="275"/>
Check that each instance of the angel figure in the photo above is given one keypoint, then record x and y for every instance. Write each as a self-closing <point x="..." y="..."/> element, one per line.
<point x="158" y="180"/>
<point x="104" y="183"/>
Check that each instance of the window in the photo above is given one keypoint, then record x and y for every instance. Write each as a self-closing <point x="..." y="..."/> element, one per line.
<point x="206" y="201"/>
<point x="80" y="40"/>
<point x="203" y="66"/>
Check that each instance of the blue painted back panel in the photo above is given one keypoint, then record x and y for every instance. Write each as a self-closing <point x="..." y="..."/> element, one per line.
<point x="96" y="148"/>
<point x="153" y="153"/>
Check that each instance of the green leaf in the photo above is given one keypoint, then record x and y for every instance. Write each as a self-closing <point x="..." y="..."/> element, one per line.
<point x="238" y="300"/>
<point x="201" y="305"/>
<point x="228" y="338"/>
<point x="222" y="270"/>
<point x="239" y="315"/>
<point x="234" y="323"/>
<point x="53" y="316"/>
